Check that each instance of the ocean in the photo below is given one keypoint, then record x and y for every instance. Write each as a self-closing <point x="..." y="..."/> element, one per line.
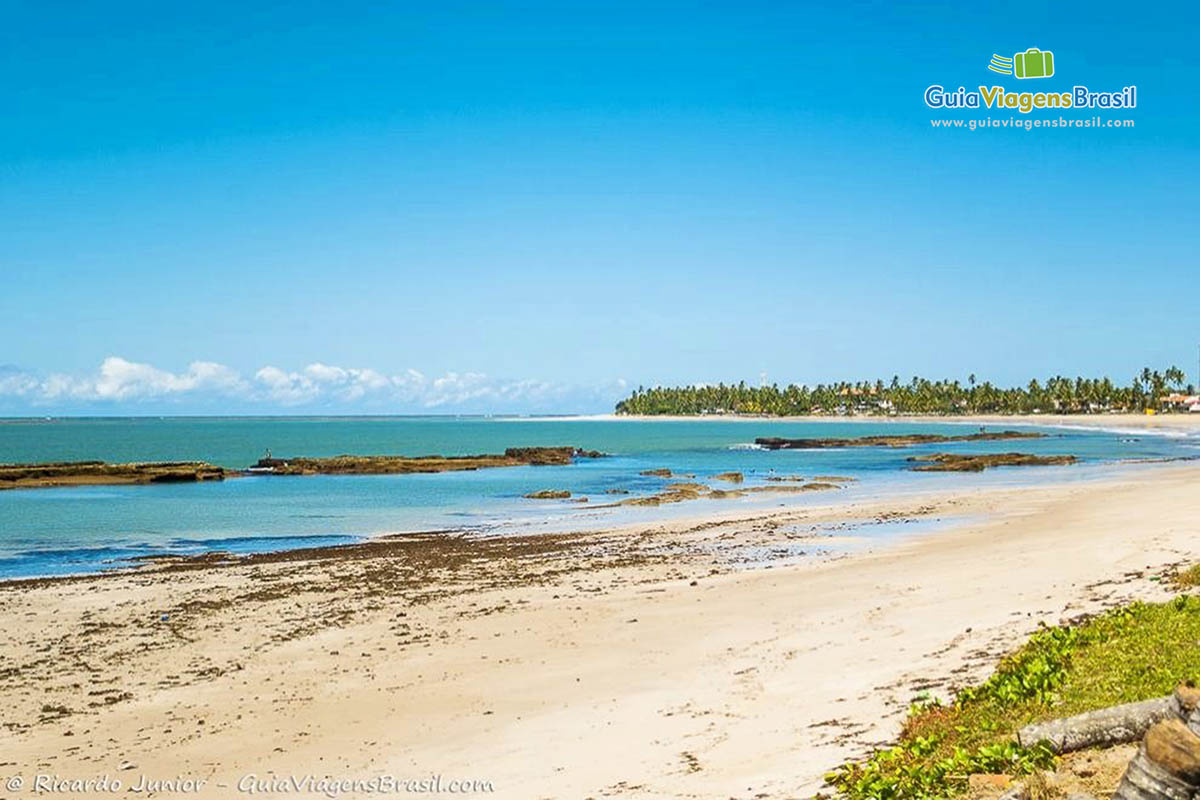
<point x="59" y="531"/>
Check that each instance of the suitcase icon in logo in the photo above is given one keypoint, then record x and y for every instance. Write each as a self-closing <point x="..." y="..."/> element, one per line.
<point x="1033" y="63"/>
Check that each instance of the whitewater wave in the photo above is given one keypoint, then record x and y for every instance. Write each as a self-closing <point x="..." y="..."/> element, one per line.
<point x="1165" y="433"/>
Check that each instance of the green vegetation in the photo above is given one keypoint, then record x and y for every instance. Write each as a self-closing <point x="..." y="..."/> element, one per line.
<point x="918" y="396"/>
<point x="1188" y="578"/>
<point x="1133" y="653"/>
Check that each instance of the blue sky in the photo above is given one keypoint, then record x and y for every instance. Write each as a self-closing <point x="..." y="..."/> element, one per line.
<point x="502" y="207"/>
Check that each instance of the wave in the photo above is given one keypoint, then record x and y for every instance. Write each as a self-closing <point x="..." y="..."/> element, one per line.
<point x="1173" y="433"/>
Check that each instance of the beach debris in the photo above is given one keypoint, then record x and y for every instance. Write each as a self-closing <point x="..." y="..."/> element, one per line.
<point x="1101" y="728"/>
<point x="1166" y="767"/>
<point x="1018" y="791"/>
<point x="1167" y="764"/>
<point x="549" y="494"/>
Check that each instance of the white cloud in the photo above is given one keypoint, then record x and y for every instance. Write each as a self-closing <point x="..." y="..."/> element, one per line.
<point x="120" y="380"/>
<point x="286" y="388"/>
<point x="120" y="383"/>
<point x="16" y="383"/>
<point x="319" y="380"/>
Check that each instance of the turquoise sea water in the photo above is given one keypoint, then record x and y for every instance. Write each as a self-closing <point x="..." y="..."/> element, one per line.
<point x="67" y="530"/>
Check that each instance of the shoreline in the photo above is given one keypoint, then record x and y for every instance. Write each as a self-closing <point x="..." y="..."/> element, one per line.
<point x="695" y="511"/>
<point x="636" y="661"/>
<point x="1112" y="422"/>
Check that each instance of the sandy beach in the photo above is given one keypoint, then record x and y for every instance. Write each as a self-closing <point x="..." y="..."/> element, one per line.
<point x="633" y="401"/>
<point x="640" y="662"/>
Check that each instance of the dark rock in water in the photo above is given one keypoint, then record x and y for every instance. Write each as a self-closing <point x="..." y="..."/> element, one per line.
<point x="99" y="473"/>
<point x="687" y="486"/>
<point x="901" y="440"/>
<point x="962" y="462"/>
<point x="656" y="473"/>
<point x="549" y="494"/>
<point x="538" y="456"/>
<point x="398" y="465"/>
<point x="732" y="477"/>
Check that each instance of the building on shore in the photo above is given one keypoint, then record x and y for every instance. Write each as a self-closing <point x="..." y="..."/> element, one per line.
<point x="1181" y="402"/>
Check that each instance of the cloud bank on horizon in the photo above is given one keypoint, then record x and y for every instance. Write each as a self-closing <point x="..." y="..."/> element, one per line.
<point x="123" y="386"/>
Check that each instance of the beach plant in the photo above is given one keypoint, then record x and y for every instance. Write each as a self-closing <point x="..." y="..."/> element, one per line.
<point x="1131" y="653"/>
<point x="1188" y="578"/>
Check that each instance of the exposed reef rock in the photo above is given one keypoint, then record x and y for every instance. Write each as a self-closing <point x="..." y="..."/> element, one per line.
<point x="549" y="494"/>
<point x="391" y="465"/>
<point x="678" y="492"/>
<point x="87" y="473"/>
<point x="962" y="462"/>
<point x="96" y="473"/>
<point x="901" y="440"/>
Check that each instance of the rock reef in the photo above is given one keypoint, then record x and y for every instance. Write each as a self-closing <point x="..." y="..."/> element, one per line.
<point x="901" y="440"/>
<point x="964" y="462"/>
<point x="399" y="465"/>
<point x="679" y="492"/>
<point x="95" y="473"/>
<point x="549" y="494"/>
<point x="100" y="473"/>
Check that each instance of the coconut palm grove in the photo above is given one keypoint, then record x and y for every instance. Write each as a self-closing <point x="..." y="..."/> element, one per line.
<point x="1150" y="390"/>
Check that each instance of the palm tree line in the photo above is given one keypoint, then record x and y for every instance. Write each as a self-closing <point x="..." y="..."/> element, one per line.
<point x="1149" y="390"/>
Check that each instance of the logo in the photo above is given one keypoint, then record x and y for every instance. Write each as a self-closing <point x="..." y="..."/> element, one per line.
<point x="1001" y="64"/>
<point x="1033" y="63"/>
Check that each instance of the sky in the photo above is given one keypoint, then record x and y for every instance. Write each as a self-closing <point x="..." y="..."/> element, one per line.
<point x="526" y="208"/>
